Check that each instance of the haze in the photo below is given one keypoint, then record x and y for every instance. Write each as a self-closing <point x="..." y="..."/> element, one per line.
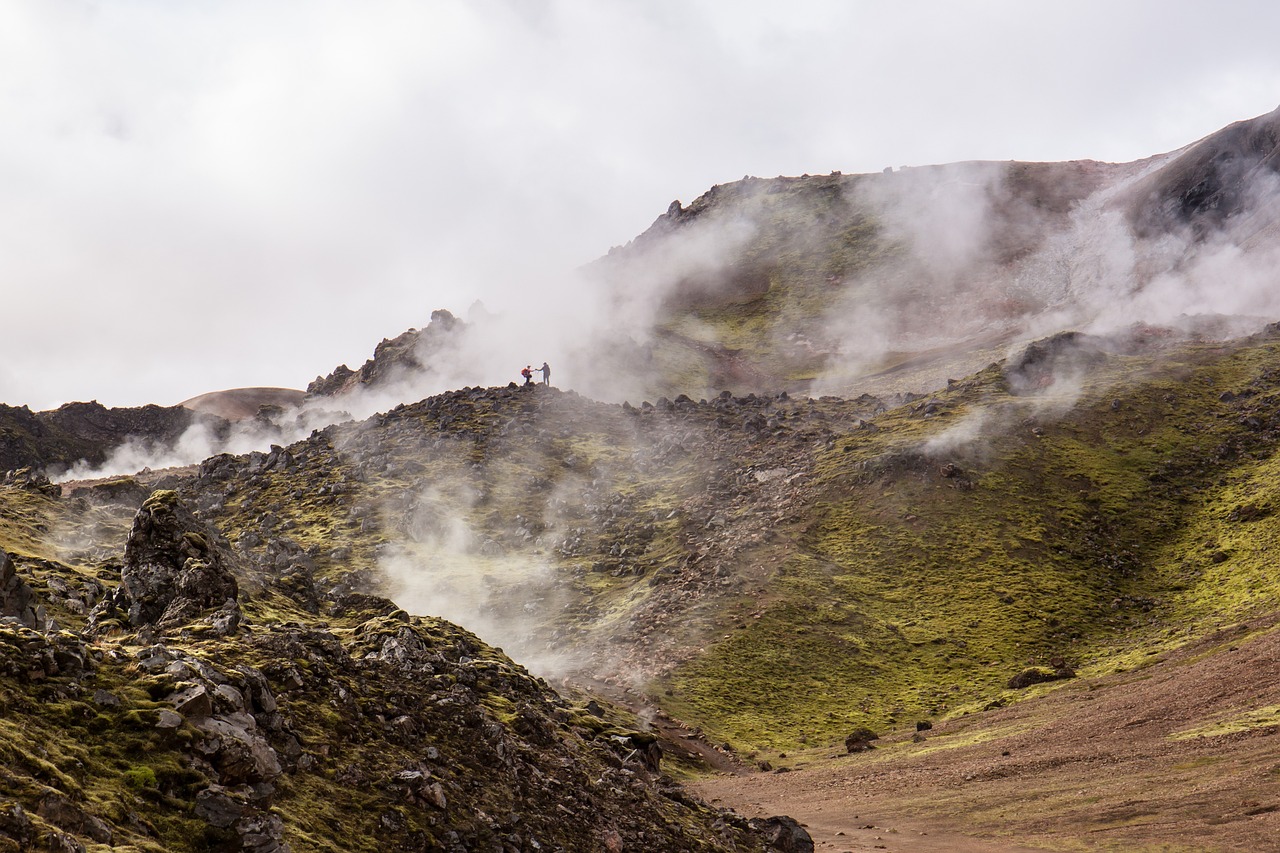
<point x="211" y="195"/>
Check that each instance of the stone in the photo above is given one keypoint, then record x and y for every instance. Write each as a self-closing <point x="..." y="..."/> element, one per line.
<point x="230" y="696"/>
<point x="238" y="752"/>
<point x="226" y="621"/>
<point x="174" y="567"/>
<point x="783" y="834"/>
<point x="220" y="807"/>
<point x="859" y="740"/>
<point x="169" y="719"/>
<point x="193" y="702"/>
<point x="17" y="598"/>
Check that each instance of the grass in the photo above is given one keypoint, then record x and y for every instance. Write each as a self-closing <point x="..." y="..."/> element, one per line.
<point x="1253" y="719"/>
<point x="1098" y="541"/>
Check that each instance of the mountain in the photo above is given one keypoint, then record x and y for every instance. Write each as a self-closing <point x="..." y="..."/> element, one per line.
<point x="948" y="490"/>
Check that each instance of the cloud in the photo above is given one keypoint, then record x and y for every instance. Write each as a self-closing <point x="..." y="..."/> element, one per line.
<point x="202" y="196"/>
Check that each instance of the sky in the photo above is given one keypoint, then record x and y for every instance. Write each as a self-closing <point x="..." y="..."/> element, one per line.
<point x="227" y="193"/>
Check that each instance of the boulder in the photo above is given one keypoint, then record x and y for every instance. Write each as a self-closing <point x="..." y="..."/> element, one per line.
<point x="1040" y="675"/>
<point x="174" y="570"/>
<point x="859" y="740"/>
<point x="221" y="807"/>
<point x="17" y="598"/>
<point x="783" y="834"/>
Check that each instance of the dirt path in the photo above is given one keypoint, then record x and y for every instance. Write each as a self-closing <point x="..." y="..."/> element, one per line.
<point x="1181" y="755"/>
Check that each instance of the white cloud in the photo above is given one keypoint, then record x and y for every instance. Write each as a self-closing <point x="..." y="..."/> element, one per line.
<point x="207" y="195"/>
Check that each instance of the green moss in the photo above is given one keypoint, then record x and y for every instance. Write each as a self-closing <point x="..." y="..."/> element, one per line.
<point x="1256" y="718"/>
<point x="140" y="777"/>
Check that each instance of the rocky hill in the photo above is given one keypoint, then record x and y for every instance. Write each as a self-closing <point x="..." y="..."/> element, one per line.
<point x="189" y="695"/>
<point x="87" y="432"/>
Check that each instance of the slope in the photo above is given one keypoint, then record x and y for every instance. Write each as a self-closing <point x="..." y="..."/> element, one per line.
<point x="182" y="697"/>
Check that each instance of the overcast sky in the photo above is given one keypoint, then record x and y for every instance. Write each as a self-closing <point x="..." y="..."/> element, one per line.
<point x="206" y="195"/>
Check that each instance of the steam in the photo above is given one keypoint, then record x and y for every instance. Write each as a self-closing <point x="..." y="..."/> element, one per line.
<point x="972" y="428"/>
<point x="203" y="439"/>
<point x="444" y="567"/>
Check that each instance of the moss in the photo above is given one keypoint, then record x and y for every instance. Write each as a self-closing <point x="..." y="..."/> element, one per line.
<point x="1267" y="717"/>
<point x="140" y="777"/>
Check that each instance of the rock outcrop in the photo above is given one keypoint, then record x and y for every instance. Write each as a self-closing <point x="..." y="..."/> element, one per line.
<point x="174" y="569"/>
<point x="394" y="359"/>
<point x="17" y="599"/>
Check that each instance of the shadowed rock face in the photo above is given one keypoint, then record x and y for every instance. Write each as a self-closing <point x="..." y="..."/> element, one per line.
<point x="1217" y="178"/>
<point x="173" y="569"/>
<point x="17" y="599"/>
<point x="88" y="431"/>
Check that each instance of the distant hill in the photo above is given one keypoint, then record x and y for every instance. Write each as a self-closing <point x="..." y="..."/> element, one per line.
<point x="238" y="404"/>
<point x="87" y="432"/>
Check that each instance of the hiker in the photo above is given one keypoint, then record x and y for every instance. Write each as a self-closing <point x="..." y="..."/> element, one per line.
<point x="527" y="373"/>
<point x="546" y="373"/>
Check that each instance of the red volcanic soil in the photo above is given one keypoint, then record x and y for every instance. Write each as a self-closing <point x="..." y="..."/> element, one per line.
<point x="239" y="404"/>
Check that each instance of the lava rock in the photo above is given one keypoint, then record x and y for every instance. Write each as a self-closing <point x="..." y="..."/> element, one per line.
<point x="17" y="598"/>
<point x="783" y="834"/>
<point x="859" y="740"/>
<point x="173" y="568"/>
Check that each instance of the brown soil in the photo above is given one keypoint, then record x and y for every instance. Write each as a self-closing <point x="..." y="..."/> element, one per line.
<point x="1092" y="765"/>
<point x="238" y="404"/>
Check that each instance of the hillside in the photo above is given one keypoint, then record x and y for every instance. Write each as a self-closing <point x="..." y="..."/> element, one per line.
<point x="185" y="696"/>
<point x="772" y="573"/>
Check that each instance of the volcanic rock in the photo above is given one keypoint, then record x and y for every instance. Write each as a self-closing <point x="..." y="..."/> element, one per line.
<point x="859" y="740"/>
<point x="17" y="598"/>
<point x="173" y="567"/>
<point x="783" y="834"/>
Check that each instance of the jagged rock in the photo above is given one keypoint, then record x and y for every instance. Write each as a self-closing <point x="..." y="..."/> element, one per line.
<point x="783" y="834"/>
<point x="173" y="568"/>
<point x="234" y="747"/>
<point x="221" y="807"/>
<point x="17" y="598"/>
<point x="408" y="353"/>
<point x="32" y="481"/>
<point x="262" y="833"/>
<point x="192" y="702"/>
